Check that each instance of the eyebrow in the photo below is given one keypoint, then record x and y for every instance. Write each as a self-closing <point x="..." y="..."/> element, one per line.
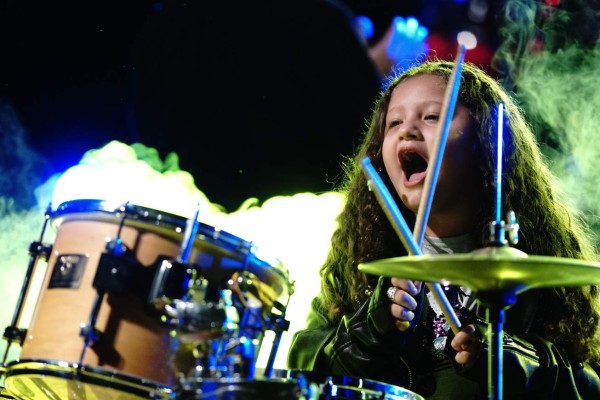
<point x="420" y="104"/>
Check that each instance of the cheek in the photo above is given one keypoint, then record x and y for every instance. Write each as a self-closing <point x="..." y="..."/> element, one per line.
<point x="386" y="150"/>
<point x="390" y="158"/>
<point x="460" y="154"/>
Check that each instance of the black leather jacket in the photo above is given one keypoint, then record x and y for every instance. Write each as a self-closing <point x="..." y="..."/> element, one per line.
<point x="367" y="345"/>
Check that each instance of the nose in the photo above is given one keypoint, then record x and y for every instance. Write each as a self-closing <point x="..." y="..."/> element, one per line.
<point x="409" y="130"/>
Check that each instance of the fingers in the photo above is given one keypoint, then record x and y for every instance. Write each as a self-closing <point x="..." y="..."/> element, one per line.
<point x="467" y="344"/>
<point x="403" y="303"/>
<point x="402" y="325"/>
<point x="465" y="337"/>
<point x="412" y="287"/>
<point x="403" y="300"/>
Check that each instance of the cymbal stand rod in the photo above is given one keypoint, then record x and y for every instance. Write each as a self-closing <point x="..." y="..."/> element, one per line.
<point x="495" y="362"/>
<point x="496" y="228"/>
<point x="448" y="105"/>
<point x="496" y="303"/>
<point x="500" y="130"/>
<point x="395" y="216"/>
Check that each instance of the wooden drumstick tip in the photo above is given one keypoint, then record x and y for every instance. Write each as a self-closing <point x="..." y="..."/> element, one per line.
<point x="467" y="39"/>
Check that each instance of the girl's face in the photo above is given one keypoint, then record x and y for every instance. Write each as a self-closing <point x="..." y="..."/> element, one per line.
<point x="412" y="122"/>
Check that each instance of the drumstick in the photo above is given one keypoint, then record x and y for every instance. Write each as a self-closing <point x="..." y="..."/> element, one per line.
<point x="395" y="216"/>
<point x="448" y="106"/>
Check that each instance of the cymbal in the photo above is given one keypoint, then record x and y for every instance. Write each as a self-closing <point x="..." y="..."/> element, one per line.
<point x="489" y="269"/>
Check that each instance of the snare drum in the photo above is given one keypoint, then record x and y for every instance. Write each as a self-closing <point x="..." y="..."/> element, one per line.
<point x="133" y="353"/>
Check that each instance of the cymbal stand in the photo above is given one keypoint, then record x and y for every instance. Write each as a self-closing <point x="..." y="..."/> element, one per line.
<point x="496" y="302"/>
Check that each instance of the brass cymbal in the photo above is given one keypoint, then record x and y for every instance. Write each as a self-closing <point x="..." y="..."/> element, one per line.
<point x="489" y="269"/>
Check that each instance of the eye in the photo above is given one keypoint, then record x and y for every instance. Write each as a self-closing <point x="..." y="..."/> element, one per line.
<point x="393" y="123"/>
<point x="432" y="117"/>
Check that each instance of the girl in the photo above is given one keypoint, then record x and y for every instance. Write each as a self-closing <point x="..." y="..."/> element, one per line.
<point x="387" y="329"/>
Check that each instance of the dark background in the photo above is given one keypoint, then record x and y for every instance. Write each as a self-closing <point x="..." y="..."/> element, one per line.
<point x="256" y="98"/>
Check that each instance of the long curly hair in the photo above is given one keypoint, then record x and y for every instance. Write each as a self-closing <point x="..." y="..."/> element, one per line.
<point x="548" y="225"/>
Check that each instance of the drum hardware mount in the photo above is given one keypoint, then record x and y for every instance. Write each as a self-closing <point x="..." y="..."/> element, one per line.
<point x="190" y="311"/>
<point x="170" y="280"/>
<point x="88" y="331"/>
<point x="116" y="246"/>
<point x="110" y="267"/>
<point x="103" y="281"/>
<point x="37" y="250"/>
<point x="118" y="272"/>
<point x="498" y="231"/>
<point x="229" y="348"/>
<point x="279" y="325"/>
<point x="194" y="317"/>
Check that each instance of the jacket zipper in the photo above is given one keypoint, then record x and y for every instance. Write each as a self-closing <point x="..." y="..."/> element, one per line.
<point x="410" y="375"/>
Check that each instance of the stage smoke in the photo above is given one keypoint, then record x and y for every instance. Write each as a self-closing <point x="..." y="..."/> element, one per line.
<point x="550" y="58"/>
<point x="294" y="230"/>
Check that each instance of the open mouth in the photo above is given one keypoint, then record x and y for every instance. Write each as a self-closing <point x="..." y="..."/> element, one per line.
<point x="414" y="166"/>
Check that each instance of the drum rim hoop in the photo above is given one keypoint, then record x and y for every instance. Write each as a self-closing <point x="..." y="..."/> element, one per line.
<point x="117" y="380"/>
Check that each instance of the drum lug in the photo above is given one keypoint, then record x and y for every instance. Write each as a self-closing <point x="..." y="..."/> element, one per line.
<point x="14" y="334"/>
<point x="116" y="247"/>
<point x="38" y="249"/>
<point x="90" y="334"/>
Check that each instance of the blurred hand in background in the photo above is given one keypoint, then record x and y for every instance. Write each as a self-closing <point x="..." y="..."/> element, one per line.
<point x="401" y="45"/>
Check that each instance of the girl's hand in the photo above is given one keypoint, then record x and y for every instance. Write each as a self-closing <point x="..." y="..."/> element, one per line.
<point x="401" y="295"/>
<point x="468" y="345"/>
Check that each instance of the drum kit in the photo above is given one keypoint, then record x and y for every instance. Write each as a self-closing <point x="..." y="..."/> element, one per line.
<point x="137" y="303"/>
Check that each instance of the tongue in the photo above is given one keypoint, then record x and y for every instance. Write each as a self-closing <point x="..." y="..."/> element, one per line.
<point x="417" y="177"/>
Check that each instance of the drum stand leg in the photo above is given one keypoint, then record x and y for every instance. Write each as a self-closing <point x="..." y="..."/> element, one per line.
<point x="281" y="325"/>
<point x="12" y="333"/>
<point x="36" y="250"/>
<point x="204" y="363"/>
